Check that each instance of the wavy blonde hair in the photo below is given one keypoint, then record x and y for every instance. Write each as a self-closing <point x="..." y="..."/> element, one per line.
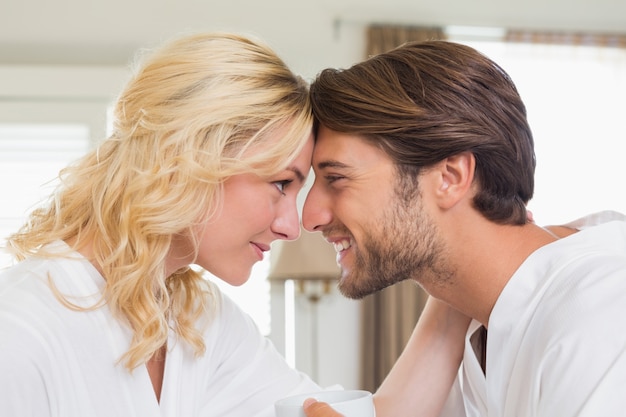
<point x="184" y="123"/>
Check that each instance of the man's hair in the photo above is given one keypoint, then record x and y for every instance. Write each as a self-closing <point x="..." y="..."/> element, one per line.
<point x="425" y="101"/>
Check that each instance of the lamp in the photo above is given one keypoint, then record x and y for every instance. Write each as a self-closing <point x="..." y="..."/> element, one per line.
<point x="307" y="259"/>
<point x="311" y="263"/>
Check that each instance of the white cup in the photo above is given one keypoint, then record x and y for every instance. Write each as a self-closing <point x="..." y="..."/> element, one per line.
<point x="350" y="403"/>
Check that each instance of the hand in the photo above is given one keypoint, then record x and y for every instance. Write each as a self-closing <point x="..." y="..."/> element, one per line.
<point x="313" y="408"/>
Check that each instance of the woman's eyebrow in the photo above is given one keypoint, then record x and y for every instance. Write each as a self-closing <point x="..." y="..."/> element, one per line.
<point x="301" y="177"/>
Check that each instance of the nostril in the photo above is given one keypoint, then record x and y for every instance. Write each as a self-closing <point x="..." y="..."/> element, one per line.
<point x="309" y="228"/>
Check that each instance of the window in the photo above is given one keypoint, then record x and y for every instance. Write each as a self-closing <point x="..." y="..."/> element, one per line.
<point x="38" y="137"/>
<point x="31" y="156"/>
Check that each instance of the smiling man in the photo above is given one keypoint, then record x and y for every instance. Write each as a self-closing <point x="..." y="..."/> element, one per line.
<point x="424" y="163"/>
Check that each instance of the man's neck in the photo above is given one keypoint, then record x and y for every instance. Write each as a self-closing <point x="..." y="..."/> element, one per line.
<point x="484" y="265"/>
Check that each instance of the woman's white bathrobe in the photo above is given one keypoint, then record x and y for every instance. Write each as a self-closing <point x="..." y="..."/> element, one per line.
<point x="55" y="361"/>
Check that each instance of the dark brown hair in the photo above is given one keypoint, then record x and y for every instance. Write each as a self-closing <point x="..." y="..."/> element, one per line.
<point x="425" y="101"/>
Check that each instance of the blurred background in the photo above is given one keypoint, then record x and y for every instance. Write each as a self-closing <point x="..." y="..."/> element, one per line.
<point x="63" y="62"/>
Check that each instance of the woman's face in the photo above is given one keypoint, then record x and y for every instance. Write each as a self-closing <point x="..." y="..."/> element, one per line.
<point x="255" y="212"/>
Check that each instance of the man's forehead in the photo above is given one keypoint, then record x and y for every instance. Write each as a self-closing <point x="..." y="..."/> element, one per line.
<point x="332" y="152"/>
<point x="335" y="150"/>
<point x="331" y="142"/>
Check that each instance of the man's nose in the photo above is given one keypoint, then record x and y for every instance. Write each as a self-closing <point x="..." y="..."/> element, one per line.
<point x="316" y="212"/>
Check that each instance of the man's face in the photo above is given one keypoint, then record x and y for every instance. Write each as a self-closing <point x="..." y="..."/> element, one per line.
<point x="382" y="234"/>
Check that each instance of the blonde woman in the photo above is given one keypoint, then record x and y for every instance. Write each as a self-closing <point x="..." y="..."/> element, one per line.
<point x="103" y="316"/>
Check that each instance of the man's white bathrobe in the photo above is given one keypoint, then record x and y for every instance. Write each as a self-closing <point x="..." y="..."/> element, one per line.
<point x="55" y="361"/>
<point x="556" y="343"/>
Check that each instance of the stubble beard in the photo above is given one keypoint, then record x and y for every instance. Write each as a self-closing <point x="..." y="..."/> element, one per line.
<point x="405" y="245"/>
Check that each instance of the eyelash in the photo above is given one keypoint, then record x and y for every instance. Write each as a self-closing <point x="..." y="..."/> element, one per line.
<point x="332" y="178"/>
<point x="281" y="185"/>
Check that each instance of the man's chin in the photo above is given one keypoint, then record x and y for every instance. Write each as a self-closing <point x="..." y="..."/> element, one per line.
<point x="364" y="286"/>
<point x="355" y="292"/>
<point x="352" y="295"/>
<point x="347" y="289"/>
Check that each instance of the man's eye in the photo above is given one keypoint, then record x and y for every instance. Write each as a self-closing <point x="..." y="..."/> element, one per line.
<point x="281" y="185"/>
<point x="332" y="178"/>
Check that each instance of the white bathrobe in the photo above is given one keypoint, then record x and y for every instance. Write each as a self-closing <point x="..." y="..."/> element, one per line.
<point x="55" y="361"/>
<point x="556" y="344"/>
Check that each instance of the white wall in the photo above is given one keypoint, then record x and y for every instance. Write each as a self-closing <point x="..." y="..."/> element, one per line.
<point x="59" y="94"/>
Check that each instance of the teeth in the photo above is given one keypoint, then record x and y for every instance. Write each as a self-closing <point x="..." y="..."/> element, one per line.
<point x="341" y="245"/>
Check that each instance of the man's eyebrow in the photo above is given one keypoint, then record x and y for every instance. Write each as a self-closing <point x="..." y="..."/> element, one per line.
<point x="331" y="164"/>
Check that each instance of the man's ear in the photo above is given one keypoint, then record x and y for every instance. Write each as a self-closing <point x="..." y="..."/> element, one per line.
<point x="456" y="176"/>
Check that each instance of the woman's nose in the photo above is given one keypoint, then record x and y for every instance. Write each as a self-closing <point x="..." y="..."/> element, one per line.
<point x="287" y="222"/>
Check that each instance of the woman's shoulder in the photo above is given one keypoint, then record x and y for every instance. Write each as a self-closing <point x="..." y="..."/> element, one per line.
<point x="29" y="273"/>
<point x="595" y="219"/>
<point x="44" y="290"/>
